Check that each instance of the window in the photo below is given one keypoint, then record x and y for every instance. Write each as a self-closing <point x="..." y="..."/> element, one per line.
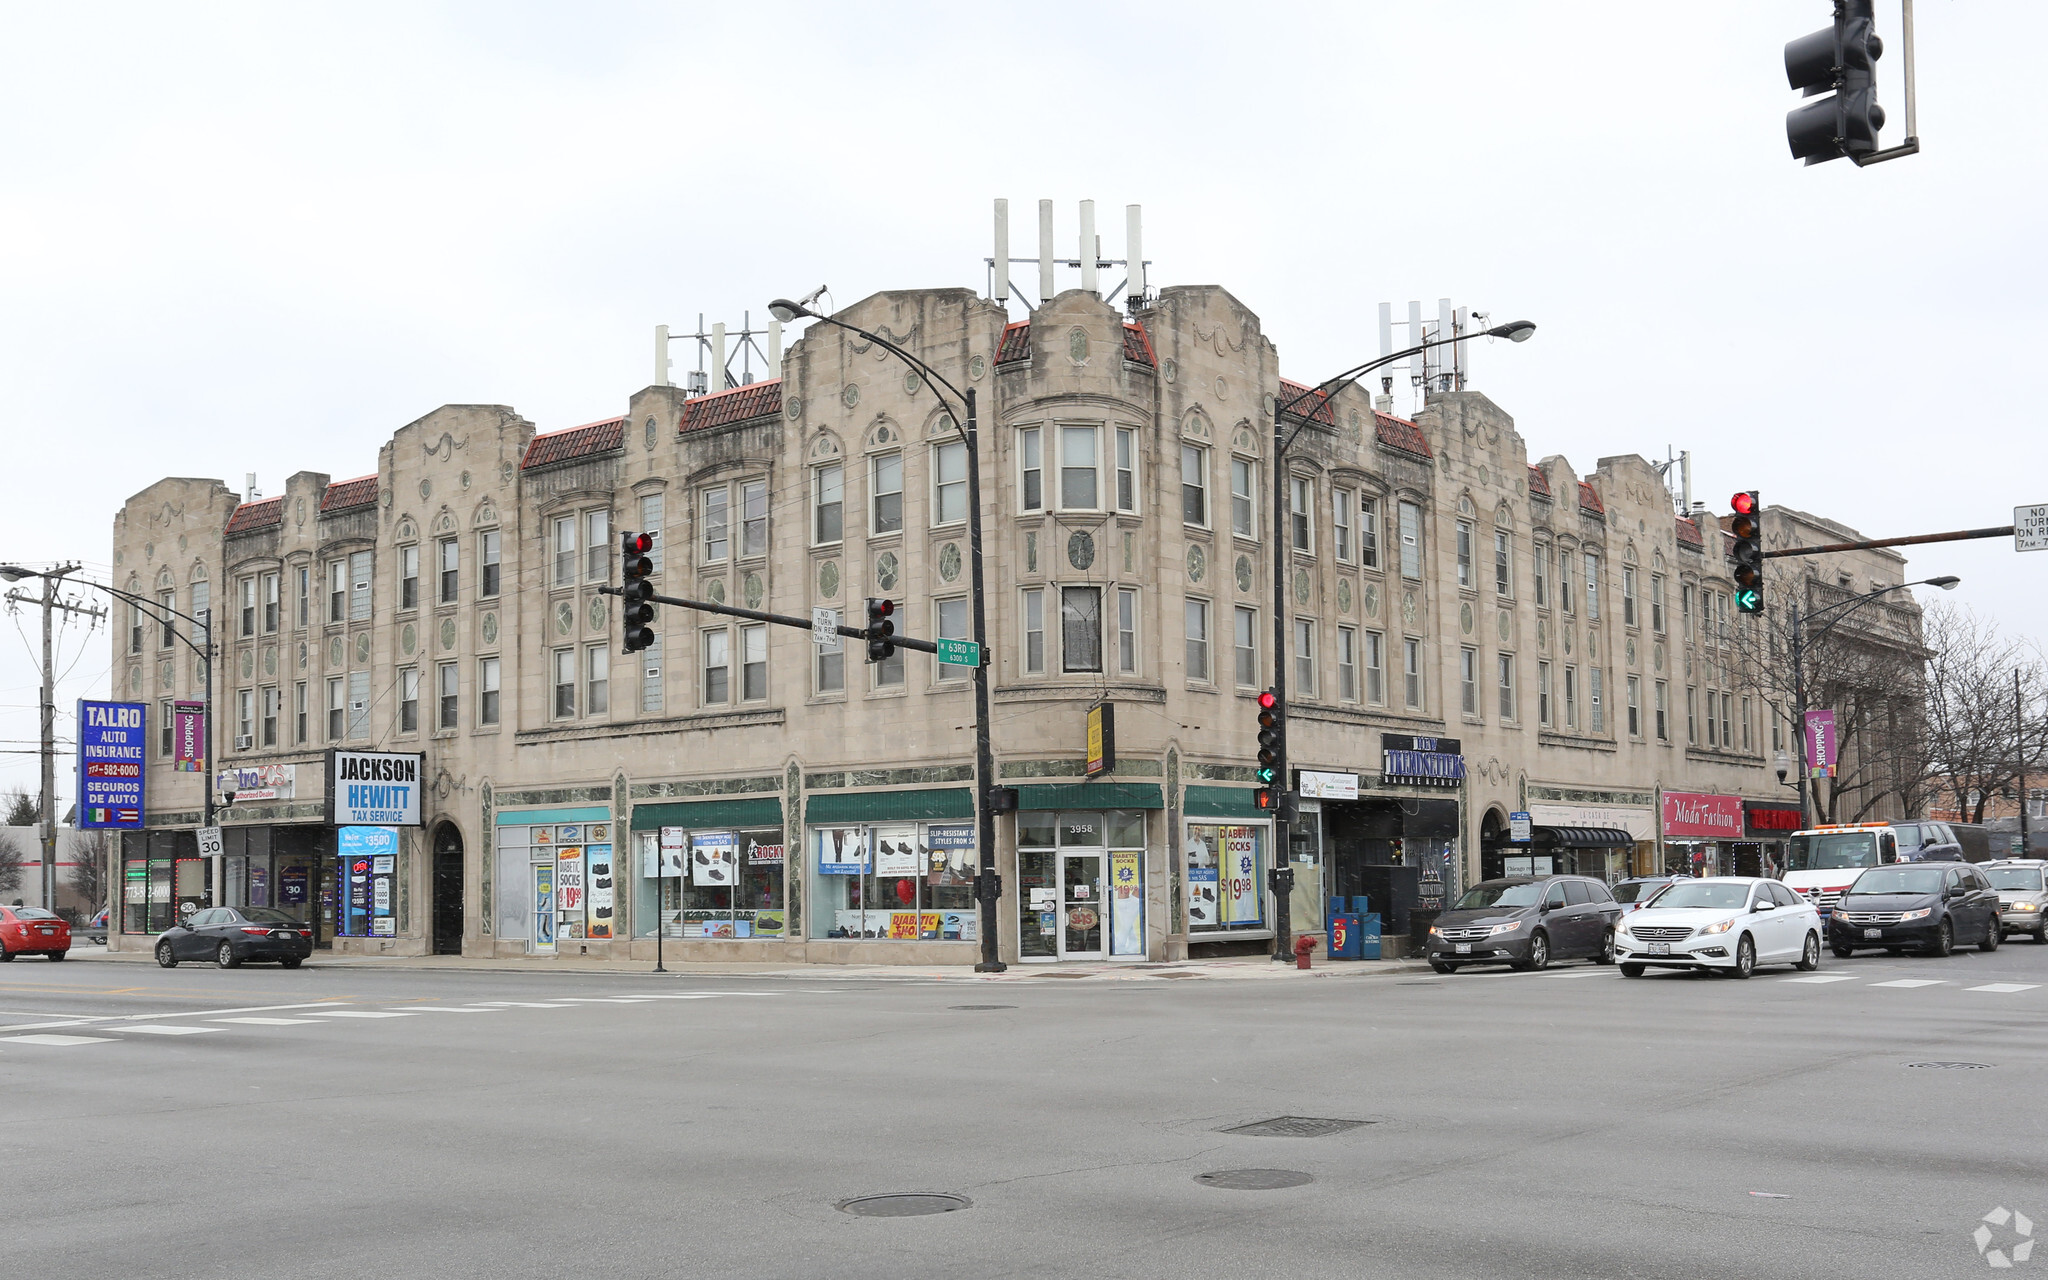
<point x="1542" y="578"/>
<point x="1411" y="673"/>
<point x="489" y="673"/>
<point x="1031" y="469"/>
<point x="1543" y="694"/>
<point x="565" y="549"/>
<point x="565" y="682"/>
<point x="597" y="679"/>
<point x="1571" y="697"/>
<point x="448" y="687"/>
<point x="1347" y="664"/>
<point x="1465" y="553"/>
<point x="597" y="549"/>
<point x="1078" y="462"/>
<point x="1727" y="710"/>
<point x="271" y="708"/>
<point x="1080" y="628"/>
<point x="1713" y="728"/>
<point x="1468" y="681"/>
<point x="1594" y="700"/>
<point x="1566" y="601"/>
<point x="949" y="483"/>
<point x="1504" y="677"/>
<point x="1375" y="668"/>
<point x="717" y="667"/>
<point x="248" y="592"/>
<point x="828" y="503"/>
<point x="245" y="718"/>
<point x="1657" y="603"/>
<point x="202" y="604"/>
<point x="135" y="616"/>
<point x="1126" y="469"/>
<point x="489" y="556"/>
<point x="1685" y="607"/>
<point x="1034" y="632"/>
<point x="337" y="708"/>
<point x="1194" y="485"/>
<point x="952" y="625"/>
<point x="1198" y="639"/>
<point x="1635" y="707"/>
<point x="651" y="696"/>
<point x="1369" y="533"/>
<point x="451" y="565"/>
<point x="408" y="700"/>
<point x="1246" y="640"/>
<point x="1411" y="541"/>
<point x="830" y="676"/>
<point x="715" y="512"/>
<point x="359" y="586"/>
<point x="652" y="506"/>
<point x="1300" y="499"/>
<point x="167" y="601"/>
<point x="268" y="587"/>
<point x="1628" y="596"/>
<point x="1243" y="502"/>
<point x="1503" y="564"/>
<point x="1692" y="731"/>
<point x="1662" y="693"/>
<point x="754" y="518"/>
<point x="887" y="489"/>
<point x="1126" y="632"/>
<point x="303" y="576"/>
<point x="1745" y="722"/>
<point x="1341" y="502"/>
<point x="1305" y="658"/>
<point x="889" y="673"/>
<point x="1592" y="587"/>
<point x="1777" y="728"/>
<point x="299" y="725"/>
<point x="409" y="577"/>
<point x="358" y="705"/>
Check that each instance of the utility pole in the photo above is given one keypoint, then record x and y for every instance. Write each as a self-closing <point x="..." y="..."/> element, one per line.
<point x="2019" y="724"/>
<point x="50" y="604"/>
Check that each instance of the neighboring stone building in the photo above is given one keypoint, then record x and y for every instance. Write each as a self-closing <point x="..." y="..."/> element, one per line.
<point x="1474" y="635"/>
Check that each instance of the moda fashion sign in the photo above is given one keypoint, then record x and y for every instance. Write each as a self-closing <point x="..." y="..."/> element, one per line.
<point x="1690" y="815"/>
<point x="1429" y="762"/>
<point x="373" y="788"/>
<point x="1820" y="744"/>
<point x="111" y="738"/>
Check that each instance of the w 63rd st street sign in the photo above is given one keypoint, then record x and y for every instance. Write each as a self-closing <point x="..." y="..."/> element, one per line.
<point x="2030" y="528"/>
<point x="960" y="653"/>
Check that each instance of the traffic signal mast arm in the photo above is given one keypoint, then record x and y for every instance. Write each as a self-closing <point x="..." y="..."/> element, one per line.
<point x="1867" y="544"/>
<point x="779" y="619"/>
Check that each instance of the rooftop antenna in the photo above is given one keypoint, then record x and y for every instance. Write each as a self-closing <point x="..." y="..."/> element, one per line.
<point x="253" y="493"/>
<point x="1088" y="258"/>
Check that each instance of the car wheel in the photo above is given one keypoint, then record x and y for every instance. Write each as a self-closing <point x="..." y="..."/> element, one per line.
<point x="1539" y="953"/>
<point x="1944" y="940"/>
<point x="54" y="955"/>
<point x="165" y="956"/>
<point x="1745" y="958"/>
<point x="1606" y="955"/>
<point x="292" y="962"/>
<point x="1632" y="970"/>
<point x="1809" y="959"/>
<point x="5" y="954"/>
<point x="1842" y="953"/>
<point x="1993" y="935"/>
<point x="2041" y="934"/>
<point x="225" y="957"/>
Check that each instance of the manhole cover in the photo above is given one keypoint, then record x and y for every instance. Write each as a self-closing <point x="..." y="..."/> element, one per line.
<point x="981" y="1006"/>
<point x="913" y="1204"/>
<point x="1952" y="1066"/>
<point x="1294" y="1127"/>
<point x="1254" y="1179"/>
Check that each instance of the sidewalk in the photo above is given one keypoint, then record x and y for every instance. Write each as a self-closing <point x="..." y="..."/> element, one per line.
<point x="1251" y="968"/>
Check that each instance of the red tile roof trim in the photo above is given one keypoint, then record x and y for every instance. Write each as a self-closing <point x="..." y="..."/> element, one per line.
<point x="1316" y="409"/>
<point x="349" y="493"/>
<point x="1689" y="534"/>
<point x="1399" y="433"/>
<point x="1138" y="346"/>
<point x="251" y="516"/>
<point x="1539" y="484"/>
<point x="1016" y="343"/>
<point x="1589" y="499"/>
<point x="738" y="404"/>
<point x="576" y="442"/>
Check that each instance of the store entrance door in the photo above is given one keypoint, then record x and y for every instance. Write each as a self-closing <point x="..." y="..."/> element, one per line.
<point x="1081" y="904"/>
<point x="448" y="890"/>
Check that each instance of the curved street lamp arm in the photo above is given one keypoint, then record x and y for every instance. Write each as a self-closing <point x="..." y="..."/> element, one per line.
<point x="146" y="604"/>
<point x="1850" y="606"/>
<point x="1328" y="389"/>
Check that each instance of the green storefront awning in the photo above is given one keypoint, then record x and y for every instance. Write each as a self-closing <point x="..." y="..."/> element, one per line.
<point x="1221" y="802"/>
<point x="1092" y="795"/>
<point x="709" y="815"/>
<point x="923" y="805"/>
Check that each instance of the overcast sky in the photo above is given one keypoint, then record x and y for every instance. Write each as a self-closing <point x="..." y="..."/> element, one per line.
<point x="262" y="238"/>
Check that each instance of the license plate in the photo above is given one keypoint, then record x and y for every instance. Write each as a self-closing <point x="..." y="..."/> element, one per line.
<point x="1660" y="948"/>
<point x="1463" y="948"/>
<point x="47" y="933"/>
<point x="1873" y="933"/>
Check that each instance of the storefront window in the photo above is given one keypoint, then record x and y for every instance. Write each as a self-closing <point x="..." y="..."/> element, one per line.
<point x="1226" y="867"/>
<point x="366" y="868"/>
<point x="557" y="883"/>
<point x="715" y="884"/>
<point x="911" y="881"/>
<point x="1081" y="884"/>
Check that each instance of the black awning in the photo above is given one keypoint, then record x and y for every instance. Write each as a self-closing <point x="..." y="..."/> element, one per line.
<point x="1580" y="838"/>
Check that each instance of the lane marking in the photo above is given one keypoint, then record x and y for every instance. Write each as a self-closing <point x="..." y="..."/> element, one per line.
<point x="2006" y="988"/>
<point x="349" y="1013"/>
<point x="1911" y="982"/>
<point x="144" y="1028"/>
<point x="271" y="1022"/>
<point x="535" y="1004"/>
<point x="1825" y="977"/>
<point x="49" y="1039"/>
<point x="600" y="1000"/>
<point x="39" y="1026"/>
<point x="438" y="1008"/>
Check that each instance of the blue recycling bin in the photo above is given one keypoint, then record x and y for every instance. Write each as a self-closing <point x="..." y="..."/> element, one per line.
<point x="1368" y="936"/>
<point x="1344" y="935"/>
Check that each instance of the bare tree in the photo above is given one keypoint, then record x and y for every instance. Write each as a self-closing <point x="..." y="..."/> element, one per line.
<point x="20" y="808"/>
<point x="1977" y="737"/>
<point x="91" y="865"/>
<point x="10" y="863"/>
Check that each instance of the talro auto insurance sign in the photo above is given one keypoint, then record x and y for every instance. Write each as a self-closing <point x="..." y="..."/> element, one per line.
<point x="373" y="788"/>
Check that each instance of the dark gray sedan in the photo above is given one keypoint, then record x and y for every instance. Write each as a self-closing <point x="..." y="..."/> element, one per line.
<point x="1526" y="923"/>
<point x="229" y="935"/>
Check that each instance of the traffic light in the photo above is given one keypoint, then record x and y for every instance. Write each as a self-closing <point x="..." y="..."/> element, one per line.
<point x="1748" y="554"/>
<point x="1272" y="741"/>
<point x="636" y="619"/>
<point x="880" y="647"/>
<point x="1843" y="59"/>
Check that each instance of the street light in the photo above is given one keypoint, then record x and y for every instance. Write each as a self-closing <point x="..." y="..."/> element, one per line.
<point x="1947" y="582"/>
<point x="987" y="889"/>
<point x="1281" y="877"/>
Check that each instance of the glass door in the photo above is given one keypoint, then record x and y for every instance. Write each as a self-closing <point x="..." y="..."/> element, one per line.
<point x="543" y="908"/>
<point x="1081" y="904"/>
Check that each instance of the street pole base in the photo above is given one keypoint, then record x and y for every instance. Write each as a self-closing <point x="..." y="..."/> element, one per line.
<point x="990" y="966"/>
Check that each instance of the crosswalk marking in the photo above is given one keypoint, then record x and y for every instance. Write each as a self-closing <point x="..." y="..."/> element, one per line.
<point x="270" y="1022"/>
<point x="153" y="1029"/>
<point x="1825" y="977"/>
<point x="2006" y="988"/>
<point x="1910" y="982"/>
<point x="57" y="1039"/>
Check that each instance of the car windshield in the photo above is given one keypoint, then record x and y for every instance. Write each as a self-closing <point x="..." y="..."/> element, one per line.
<point x="36" y="913"/>
<point x="1829" y="852"/>
<point x="1728" y="897"/>
<point x="1897" y="880"/>
<point x="268" y="915"/>
<point x="1481" y="896"/>
<point x="1629" y="892"/>
<point x="2023" y="879"/>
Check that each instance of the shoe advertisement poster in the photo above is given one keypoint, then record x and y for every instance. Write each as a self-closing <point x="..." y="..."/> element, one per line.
<point x="715" y="859"/>
<point x="896" y="852"/>
<point x="1240" y="876"/>
<point x="1202" y="880"/>
<point x="600" y="894"/>
<point x="841" y="851"/>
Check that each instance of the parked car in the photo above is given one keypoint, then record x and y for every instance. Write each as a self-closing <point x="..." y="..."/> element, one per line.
<point x="96" y="929"/>
<point x="1729" y="924"/>
<point x="2022" y="885"/>
<point x="1634" y="895"/>
<point x="1931" y="908"/>
<point x="1928" y="842"/>
<point x="1525" y="923"/>
<point x="33" y="931"/>
<point x="230" y="935"/>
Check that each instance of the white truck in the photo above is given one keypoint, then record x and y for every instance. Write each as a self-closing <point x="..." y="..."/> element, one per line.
<point x="1822" y="862"/>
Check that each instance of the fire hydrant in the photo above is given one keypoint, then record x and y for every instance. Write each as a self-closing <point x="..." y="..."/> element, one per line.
<point x="1303" y="945"/>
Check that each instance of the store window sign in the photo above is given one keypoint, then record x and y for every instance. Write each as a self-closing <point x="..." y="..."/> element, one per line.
<point x="568" y="879"/>
<point x="1328" y="786"/>
<point x="896" y="852"/>
<point x="842" y="851"/>
<point x="666" y="859"/>
<point x="952" y="852"/>
<point x="368" y="859"/>
<point x="373" y="788"/>
<point x="1693" y="815"/>
<point x="1435" y="762"/>
<point x="714" y="859"/>
<point x="1240" y="895"/>
<point x="1767" y="819"/>
<point x="600" y="894"/>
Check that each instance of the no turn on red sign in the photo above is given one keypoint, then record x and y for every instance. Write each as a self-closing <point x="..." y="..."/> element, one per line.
<point x="2030" y="528"/>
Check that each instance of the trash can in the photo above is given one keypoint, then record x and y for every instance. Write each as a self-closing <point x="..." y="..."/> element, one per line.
<point x="1344" y="935"/>
<point x="1368" y="936"/>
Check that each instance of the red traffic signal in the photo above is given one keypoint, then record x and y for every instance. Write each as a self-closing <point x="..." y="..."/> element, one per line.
<point x="1265" y="797"/>
<point x="1268" y="699"/>
<point x="1744" y="503"/>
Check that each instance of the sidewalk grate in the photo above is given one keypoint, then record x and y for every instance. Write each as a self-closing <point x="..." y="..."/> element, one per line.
<point x="1294" y="1127"/>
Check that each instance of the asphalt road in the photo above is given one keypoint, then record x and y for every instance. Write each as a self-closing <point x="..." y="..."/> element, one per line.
<point x="1564" y="1124"/>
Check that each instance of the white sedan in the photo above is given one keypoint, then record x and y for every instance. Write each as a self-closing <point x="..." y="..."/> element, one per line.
<point x="1730" y="923"/>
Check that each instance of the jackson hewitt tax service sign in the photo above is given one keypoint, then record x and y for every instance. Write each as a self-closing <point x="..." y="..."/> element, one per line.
<point x="373" y="788"/>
